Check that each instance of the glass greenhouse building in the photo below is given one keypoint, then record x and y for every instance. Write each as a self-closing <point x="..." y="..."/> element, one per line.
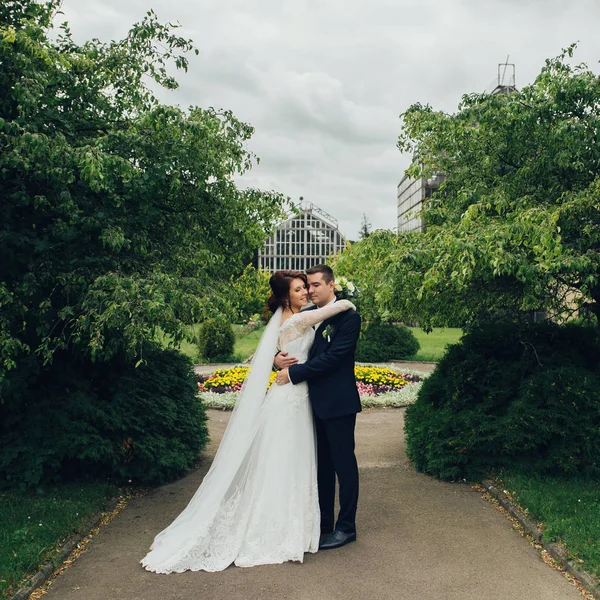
<point x="304" y="240"/>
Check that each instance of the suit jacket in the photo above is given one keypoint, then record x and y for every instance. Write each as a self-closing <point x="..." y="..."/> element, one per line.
<point x="329" y="370"/>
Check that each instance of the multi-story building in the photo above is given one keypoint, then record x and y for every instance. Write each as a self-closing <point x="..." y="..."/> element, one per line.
<point x="304" y="240"/>
<point x="411" y="195"/>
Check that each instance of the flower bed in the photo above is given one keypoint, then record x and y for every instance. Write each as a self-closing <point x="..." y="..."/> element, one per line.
<point x="377" y="386"/>
<point x="226" y="380"/>
<point x="372" y="381"/>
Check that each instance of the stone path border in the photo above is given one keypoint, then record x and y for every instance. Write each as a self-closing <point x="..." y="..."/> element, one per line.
<point x="49" y="568"/>
<point x="591" y="584"/>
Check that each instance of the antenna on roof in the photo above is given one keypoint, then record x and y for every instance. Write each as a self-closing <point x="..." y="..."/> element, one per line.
<point x="506" y="84"/>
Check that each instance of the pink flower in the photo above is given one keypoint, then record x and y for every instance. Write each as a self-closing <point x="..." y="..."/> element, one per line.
<point x="365" y="389"/>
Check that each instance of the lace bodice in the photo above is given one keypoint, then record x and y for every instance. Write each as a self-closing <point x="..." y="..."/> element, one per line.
<point x="295" y="340"/>
<point x="296" y="334"/>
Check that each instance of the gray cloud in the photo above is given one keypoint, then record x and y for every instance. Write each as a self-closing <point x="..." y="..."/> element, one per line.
<point x="323" y="81"/>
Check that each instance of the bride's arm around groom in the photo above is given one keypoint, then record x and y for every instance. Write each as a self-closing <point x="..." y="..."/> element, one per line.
<point x="335" y="348"/>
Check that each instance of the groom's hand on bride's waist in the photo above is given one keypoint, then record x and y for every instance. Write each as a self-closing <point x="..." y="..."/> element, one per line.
<point x="283" y="377"/>
<point x="283" y="361"/>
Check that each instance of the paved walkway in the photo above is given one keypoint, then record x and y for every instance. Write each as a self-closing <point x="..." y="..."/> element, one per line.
<point x="418" y="539"/>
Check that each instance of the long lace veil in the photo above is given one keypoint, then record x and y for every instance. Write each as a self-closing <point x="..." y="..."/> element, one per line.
<point x="229" y="466"/>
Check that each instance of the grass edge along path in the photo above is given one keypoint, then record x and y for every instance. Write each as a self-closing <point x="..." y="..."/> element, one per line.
<point x="36" y="523"/>
<point x="568" y="509"/>
<point x="554" y="554"/>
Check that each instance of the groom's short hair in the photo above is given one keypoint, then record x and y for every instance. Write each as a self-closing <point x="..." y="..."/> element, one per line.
<point x="324" y="269"/>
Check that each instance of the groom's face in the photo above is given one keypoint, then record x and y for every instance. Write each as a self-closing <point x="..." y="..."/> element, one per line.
<point x="320" y="292"/>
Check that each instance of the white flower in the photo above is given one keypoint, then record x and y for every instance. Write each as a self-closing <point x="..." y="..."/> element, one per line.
<point x="351" y="287"/>
<point x="402" y="397"/>
<point x="338" y="287"/>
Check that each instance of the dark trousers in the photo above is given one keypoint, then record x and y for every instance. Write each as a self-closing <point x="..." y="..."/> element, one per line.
<point x="335" y="456"/>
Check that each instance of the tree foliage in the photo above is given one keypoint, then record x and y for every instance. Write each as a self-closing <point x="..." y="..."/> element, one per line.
<point x="365" y="227"/>
<point x="249" y="293"/>
<point x="516" y="224"/>
<point x="371" y="264"/>
<point x="118" y="215"/>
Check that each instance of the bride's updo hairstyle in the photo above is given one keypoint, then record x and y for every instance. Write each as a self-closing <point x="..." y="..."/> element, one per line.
<point x="280" y="288"/>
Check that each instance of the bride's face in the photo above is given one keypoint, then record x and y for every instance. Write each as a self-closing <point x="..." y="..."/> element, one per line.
<point x="298" y="294"/>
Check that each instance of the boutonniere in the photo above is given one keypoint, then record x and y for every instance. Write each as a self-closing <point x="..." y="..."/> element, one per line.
<point x="328" y="332"/>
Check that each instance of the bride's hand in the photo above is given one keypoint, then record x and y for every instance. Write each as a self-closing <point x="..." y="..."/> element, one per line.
<point x="283" y="361"/>
<point x="282" y="377"/>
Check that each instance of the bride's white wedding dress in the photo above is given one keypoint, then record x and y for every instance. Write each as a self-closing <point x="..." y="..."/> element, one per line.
<point x="258" y="504"/>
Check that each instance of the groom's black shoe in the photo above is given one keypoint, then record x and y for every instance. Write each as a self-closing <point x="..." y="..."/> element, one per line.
<point x="336" y="539"/>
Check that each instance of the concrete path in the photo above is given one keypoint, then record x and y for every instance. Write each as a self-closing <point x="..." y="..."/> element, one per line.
<point x="418" y="539"/>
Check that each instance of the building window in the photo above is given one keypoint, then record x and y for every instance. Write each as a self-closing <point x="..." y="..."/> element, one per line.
<point x="302" y="242"/>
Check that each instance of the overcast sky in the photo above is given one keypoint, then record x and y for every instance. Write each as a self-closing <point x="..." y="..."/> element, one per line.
<point x="324" y="81"/>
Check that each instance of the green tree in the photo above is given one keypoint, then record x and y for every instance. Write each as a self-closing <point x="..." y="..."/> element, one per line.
<point x="249" y="292"/>
<point x="516" y="225"/>
<point x="372" y="265"/>
<point x="118" y="215"/>
<point x="365" y="227"/>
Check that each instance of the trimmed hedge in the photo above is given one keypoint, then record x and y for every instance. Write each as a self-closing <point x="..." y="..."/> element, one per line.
<point x="104" y="421"/>
<point x="216" y="339"/>
<point x="526" y="397"/>
<point x="383" y="341"/>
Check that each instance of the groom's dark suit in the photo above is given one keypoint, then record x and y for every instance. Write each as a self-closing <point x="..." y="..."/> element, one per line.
<point x="329" y="372"/>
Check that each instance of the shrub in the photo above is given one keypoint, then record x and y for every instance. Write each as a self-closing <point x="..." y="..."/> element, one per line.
<point x="216" y="339"/>
<point x="252" y="324"/>
<point x="511" y="396"/>
<point x="384" y="341"/>
<point x="105" y="420"/>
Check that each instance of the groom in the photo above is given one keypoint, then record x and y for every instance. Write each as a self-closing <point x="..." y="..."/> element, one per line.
<point x="329" y="372"/>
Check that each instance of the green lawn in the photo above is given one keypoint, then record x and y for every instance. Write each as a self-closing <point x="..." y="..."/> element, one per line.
<point x="433" y="345"/>
<point x="245" y="345"/>
<point x="188" y="348"/>
<point x="35" y="522"/>
<point x="569" y="509"/>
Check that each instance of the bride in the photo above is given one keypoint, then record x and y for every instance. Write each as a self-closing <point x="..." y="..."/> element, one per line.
<point x="258" y="503"/>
